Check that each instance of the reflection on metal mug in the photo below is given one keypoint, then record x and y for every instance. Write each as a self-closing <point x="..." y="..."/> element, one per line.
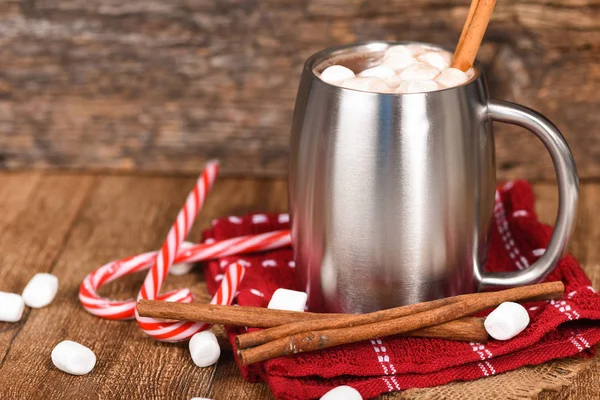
<point x="392" y="195"/>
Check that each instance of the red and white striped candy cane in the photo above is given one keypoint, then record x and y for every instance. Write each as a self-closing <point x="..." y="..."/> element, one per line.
<point x="116" y="309"/>
<point x="161" y="261"/>
<point x="176" y="331"/>
<point x="183" y="330"/>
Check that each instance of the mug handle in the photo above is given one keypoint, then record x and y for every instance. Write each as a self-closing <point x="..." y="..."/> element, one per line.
<point x="568" y="190"/>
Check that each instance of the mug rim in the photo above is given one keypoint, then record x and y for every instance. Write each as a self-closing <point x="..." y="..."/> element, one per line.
<point x="372" y="46"/>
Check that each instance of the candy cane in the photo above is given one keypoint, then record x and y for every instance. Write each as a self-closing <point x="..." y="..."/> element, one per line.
<point x="161" y="261"/>
<point x="183" y="330"/>
<point x="115" y="309"/>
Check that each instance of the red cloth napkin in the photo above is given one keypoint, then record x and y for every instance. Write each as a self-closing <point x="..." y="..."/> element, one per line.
<point x="569" y="327"/>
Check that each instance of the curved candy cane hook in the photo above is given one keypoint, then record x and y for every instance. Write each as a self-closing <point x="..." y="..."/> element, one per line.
<point x="170" y="253"/>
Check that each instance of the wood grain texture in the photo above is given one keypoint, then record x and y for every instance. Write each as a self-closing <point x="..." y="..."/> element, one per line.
<point x="78" y="222"/>
<point x="107" y="227"/>
<point x="37" y="212"/>
<point x="155" y="86"/>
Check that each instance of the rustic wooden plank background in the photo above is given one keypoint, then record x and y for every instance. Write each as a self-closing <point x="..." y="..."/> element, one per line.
<point x="162" y="86"/>
<point x="69" y="224"/>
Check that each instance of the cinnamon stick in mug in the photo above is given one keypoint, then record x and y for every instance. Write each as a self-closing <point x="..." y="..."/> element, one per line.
<point x="467" y="24"/>
<point x="473" y="32"/>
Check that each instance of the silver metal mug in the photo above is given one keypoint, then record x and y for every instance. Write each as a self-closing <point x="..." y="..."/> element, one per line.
<point x="391" y="196"/>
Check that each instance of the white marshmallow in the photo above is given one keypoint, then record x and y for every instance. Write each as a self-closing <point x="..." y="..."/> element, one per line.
<point x="398" y="58"/>
<point x="470" y="73"/>
<point x="437" y="59"/>
<point x="506" y="321"/>
<point x="387" y="74"/>
<point x="417" y="86"/>
<point x="336" y="73"/>
<point x="11" y="307"/>
<point x="419" y="72"/>
<point x="393" y="81"/>
<point x="285" y="299"/>
<point x="417" y="49"/>
<point x="365" y="84"/>
<point x="342" y="393"/>
<point x="40" y="290"/>
<point x="400" y="50"/>
<point x="183" y="268"/>
<point x="73" y="358"/>
<point x="204" y="349"/>
<point x="380" y="71"/>
<point x="451" y="77"/>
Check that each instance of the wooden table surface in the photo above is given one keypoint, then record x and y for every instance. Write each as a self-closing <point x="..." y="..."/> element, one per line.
<point x="69" y="224"/>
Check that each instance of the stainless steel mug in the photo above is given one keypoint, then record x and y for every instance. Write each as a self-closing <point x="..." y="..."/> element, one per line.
<point x="391" y="196"/>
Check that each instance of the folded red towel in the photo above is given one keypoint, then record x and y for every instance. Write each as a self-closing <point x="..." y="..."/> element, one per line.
<point x="569" y="327"/>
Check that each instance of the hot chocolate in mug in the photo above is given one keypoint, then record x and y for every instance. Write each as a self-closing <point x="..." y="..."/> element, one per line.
<point x="391" y="196"/>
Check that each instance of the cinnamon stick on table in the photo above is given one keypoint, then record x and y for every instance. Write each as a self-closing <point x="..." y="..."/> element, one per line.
<point x="316" y="340"/>
<point x="256" y="317"/>
<point x="257" y="338"/>
<point x="340" y="321"/>
<point x="465" y="329"/>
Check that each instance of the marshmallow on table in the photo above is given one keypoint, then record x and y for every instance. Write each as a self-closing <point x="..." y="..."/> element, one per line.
<point x="183" y="268"/>
<point x="367" y="84"/>
<point x="419" y="72"/>
<point x="452" y="77"/>
<point x="40" y="290"/>
<point x="73" y="358"/>
<point x="506" y="321"/>
<point x="342" y="393"/>
<point x="290" y="300"/>
<point x="336" y="73"/>
<point x="417" y="86"/>
<point x="204" y="349"/>
<point x="11" y="307"/>
<point x="436" y="59"/>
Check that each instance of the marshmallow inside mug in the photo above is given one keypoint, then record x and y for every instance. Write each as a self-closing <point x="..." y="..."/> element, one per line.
<point x="402" y="68"/>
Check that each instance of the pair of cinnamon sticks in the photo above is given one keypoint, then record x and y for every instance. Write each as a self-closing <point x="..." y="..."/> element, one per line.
<point x="292" y="332"/>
